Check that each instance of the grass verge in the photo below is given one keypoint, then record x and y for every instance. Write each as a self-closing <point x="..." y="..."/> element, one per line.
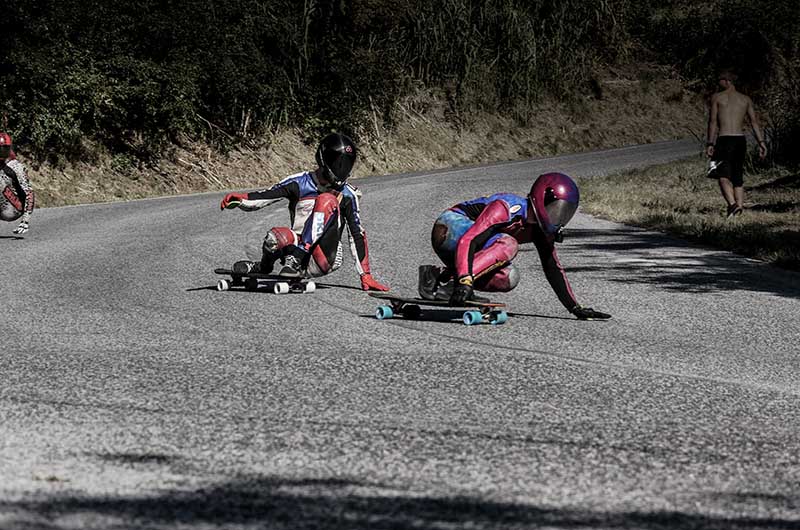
<point x="677" y="198"/>
<point x="424" y="135"/>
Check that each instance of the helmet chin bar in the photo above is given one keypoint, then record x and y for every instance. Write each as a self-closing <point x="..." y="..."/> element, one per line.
<point x="331" y="177"/>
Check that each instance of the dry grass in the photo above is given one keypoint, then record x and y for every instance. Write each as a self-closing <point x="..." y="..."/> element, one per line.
<point x="631" y="107"/>
<point x="679" y="199"/>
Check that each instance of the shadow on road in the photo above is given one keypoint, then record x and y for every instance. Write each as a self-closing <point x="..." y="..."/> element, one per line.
<point x="267" y="502"/>
<point x="206" y="288"/>
<point x="137" y="458"/>
<point x="675" y="265"/>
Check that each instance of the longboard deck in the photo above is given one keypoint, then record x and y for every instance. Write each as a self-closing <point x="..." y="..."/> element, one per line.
<point x="435" y="303"/>
<point x="278" y="284"/>
<point x="410" y="308"/>
<point x="260" y="276"/>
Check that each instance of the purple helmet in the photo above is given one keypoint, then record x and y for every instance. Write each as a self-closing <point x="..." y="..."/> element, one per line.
<point x="555" y="198"/>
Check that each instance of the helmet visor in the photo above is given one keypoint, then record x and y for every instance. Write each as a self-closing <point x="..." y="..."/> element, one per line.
<point x="338" y="165"/>
<point x="5" y="151"/>
<point x="560" y="211"/>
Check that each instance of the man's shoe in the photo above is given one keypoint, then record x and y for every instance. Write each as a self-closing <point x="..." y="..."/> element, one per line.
<point x="246" y="267"/>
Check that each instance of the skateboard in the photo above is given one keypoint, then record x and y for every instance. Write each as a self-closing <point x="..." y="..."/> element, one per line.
<point x="411" y="308"/>
<point x="277" y="284"/>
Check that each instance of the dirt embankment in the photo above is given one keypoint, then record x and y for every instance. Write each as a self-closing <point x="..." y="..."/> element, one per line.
<point x="621" y="108"/>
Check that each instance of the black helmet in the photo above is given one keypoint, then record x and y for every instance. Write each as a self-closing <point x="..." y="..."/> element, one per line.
<point x="336" y="156"/>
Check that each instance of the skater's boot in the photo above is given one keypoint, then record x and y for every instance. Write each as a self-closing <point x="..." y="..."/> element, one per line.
<point x="435" y="283"/>
<point x="246" y="267"/>
<point x="293" y="264"/>
<point x="445" y="290"/>
<point x="428" y="281"/>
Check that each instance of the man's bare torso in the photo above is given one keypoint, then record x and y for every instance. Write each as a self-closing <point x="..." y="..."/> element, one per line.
<point x="731" y="110"/>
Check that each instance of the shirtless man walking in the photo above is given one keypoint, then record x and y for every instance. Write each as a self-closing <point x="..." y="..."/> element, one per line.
<point x="727" y="145"/>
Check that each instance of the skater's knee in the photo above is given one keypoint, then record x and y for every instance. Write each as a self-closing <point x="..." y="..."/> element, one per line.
<point x="11" y="207"/>
<point x="279" y="237"/>
<point x="512" y="276"/>
<point x="502" y="281"/>
<point x="506" y="248"/>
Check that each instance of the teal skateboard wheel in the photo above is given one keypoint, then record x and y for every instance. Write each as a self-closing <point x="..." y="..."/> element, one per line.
<point x="383" y="312"/>
<point x="498" y="318"/>
<point x="472" y="317"/>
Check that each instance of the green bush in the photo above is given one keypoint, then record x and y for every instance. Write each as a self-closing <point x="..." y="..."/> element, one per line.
<point x="138" y="76"/>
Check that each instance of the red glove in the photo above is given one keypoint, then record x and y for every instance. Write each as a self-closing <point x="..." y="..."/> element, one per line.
<point x="368" y="283"/>
<point x="232" y="200"/>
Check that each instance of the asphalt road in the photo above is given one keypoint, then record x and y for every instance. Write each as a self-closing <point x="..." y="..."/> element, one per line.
<point x="134" y="395"/>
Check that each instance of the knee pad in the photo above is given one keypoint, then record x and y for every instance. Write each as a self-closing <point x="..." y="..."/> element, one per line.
<point x="279" y="237"/>
<point x="503" y="280"/>
<point x="10" y="206"/>
<point x="9" y="213"/>
<point x="513" y="276"/>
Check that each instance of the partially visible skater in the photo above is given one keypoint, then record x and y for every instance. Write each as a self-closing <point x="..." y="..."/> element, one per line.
<point x="16" y="199"/>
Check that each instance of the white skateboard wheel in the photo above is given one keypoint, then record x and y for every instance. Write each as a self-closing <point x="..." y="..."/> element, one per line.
<point x="281" y="288"/>
<point x="310" y="287"/>
<point x="223" y="285"/>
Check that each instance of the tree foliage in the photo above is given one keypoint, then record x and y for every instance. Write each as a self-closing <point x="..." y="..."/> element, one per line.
<point x="137" y="76"/>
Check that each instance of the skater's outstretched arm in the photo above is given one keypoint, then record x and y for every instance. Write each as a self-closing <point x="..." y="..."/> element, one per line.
<point x="255" y="200"/>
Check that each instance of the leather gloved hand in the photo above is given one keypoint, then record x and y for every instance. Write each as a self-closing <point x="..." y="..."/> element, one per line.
<point x="587" y="313"/>
<point x="368" y="283"/>
<point x="462" y="290"/>
<point x="232" y="200"/>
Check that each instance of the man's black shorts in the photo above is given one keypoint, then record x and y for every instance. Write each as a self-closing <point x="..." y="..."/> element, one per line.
<point x="728" y="159"/>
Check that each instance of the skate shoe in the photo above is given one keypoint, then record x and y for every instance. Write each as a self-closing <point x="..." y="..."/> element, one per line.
<point x="246" y="267"/>
<point x="292" y="267"/>
<point x="435" y="283"/>
<point x="428" y="281"/>
<point x="444" y="290"/>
